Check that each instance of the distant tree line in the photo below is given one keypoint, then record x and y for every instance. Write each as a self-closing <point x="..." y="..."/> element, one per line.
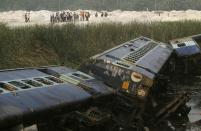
<point x="100" y="4"/>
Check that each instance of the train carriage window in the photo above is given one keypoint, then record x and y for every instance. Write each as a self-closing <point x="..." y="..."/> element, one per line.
<point x="32" y="83"/>
<point x="19" y="84"/>
<point x="7" y="87"/>
<point x="54" y="79"/>
<point x="1" y="91"/>
<point x="44" y="81"/>
<point x="82" y="75"/>
<point x="181" y="44"/>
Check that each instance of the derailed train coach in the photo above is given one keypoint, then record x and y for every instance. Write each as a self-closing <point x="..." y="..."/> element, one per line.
<point x="141" y="69"/>
<point x="142" y="63"/>
<point x="37" y="95"/>
<point x="132" y="66"/>
<point x="187" y="53"/>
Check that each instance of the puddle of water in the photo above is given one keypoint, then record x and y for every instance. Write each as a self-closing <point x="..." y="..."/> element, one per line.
<point x="195" y="113"/>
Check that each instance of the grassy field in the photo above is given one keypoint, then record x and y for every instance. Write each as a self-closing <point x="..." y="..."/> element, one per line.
<point x="72" y="45"/>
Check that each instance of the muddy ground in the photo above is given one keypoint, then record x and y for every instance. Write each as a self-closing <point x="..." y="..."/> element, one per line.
<point x="191" y="83"/>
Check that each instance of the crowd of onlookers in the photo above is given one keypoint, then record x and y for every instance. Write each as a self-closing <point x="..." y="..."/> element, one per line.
<point x="69" y="17"/>
<point x="103" y="14"/>
<point x="66" y="16"/>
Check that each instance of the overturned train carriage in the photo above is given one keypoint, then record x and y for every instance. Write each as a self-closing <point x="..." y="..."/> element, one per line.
<point x="187" y="54"/>
<point x="133" y="66"/>
<point x="32" y="95"/>
<point x="139" y="69"/>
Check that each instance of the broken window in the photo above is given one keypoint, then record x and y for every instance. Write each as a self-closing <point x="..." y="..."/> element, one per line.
<point x="7" y="87"/>
<point x="44" y="81"/>
<point x="181" y="44"/>
<point x="54" y="79"/>
<point x="32" y="83"/>
<point x="19" y="84"/>
<point x="81" y="76"/>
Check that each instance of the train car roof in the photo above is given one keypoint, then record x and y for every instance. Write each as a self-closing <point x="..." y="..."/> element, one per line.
<point x="30" y="94"/>
<point x="20" y="74"/>
<point x="97" y="85"/>
<point x="142" y="54"/>
<point x="187" y="46"/>
<point x="56" y="70"/>
<point x="33" y="104"/>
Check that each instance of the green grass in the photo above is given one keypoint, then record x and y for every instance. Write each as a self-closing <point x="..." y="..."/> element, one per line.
<point x="72" y="45"/>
